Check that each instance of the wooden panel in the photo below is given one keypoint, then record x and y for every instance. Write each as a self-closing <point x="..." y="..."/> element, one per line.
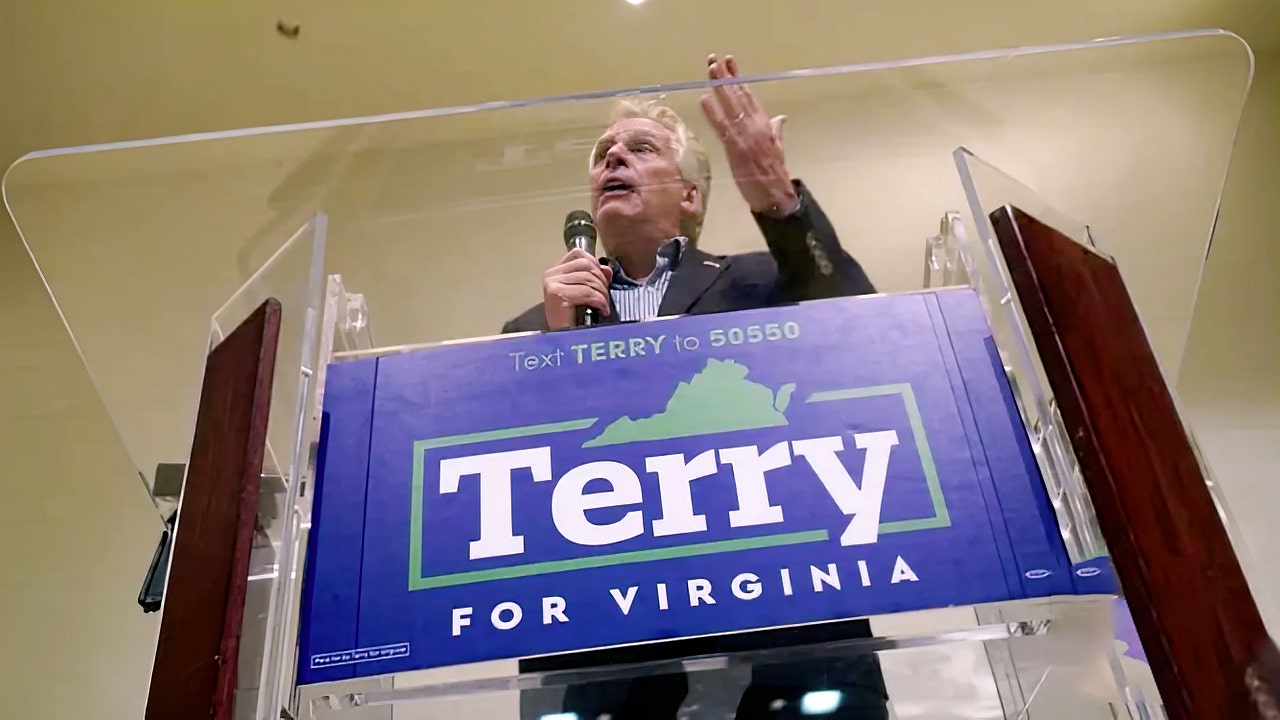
<point x="194" y="674"/>
<point x="1203" y="635"/>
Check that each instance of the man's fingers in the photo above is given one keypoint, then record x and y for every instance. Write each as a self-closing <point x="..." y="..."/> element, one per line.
<point x="724" y="94"/>
<point x="584" y="264"/>
<point x="578" y="280"/>
<point x="746" y="99"/>
<point x="574" y="256"/>
<point x="777" y="125"/>
<point x="715" y="115"/>
<point x="575" y="253"/>
<point x="585" y="277"/>
<point x="577" y="263"/>
<point x="734" y="101"/>
<point x="583" y="296"/>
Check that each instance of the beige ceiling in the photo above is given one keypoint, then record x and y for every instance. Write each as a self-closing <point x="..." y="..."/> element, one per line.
<point x="80" y="72"/>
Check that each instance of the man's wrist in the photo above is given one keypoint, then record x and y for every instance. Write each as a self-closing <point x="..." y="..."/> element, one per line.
<point x="786" y="204"/>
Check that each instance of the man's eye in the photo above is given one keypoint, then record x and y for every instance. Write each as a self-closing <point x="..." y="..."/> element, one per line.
<point x="643" y="147"/>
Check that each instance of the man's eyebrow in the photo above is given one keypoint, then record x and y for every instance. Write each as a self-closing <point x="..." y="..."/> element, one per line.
<point x="640" y="134"/>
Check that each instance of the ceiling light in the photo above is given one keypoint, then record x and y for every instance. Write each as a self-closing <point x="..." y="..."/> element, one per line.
<point x="635" y="2"/>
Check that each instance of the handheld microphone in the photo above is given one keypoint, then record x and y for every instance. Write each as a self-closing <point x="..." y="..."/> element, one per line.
<point x="580" y="233"/>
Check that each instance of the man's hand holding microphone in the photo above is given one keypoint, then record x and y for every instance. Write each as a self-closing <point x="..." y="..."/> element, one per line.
<point x="579" y="283"/>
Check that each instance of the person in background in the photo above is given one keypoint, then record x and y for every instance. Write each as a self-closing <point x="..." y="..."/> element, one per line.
<point x="650" y="182"/>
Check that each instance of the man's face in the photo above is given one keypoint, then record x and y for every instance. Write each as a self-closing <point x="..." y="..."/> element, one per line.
<point x="636" y="188"/>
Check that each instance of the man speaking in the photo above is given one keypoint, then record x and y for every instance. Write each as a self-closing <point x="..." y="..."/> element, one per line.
<point x="650" y="184"/>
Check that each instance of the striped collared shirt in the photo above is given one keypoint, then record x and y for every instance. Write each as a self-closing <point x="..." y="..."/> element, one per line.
<point x="641" y="300"/>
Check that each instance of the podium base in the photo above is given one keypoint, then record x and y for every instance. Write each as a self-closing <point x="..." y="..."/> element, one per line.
<point x="1056" y="658"/>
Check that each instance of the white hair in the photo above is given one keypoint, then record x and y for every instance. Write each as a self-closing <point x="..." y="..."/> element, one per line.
<point x="691" y="156"/>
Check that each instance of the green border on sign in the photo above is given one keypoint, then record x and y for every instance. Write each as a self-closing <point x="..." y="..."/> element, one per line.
<point x="940" y="519"/>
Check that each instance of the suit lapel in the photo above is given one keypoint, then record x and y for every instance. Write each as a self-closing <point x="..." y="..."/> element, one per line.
<point x="612" y="317"/>
<point x="695" y="274"/>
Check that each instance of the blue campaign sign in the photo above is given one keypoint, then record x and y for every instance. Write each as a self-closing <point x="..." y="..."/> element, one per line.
<point x="696" y="475"/>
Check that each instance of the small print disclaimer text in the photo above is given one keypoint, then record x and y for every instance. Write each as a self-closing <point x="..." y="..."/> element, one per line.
<point x="347" y="657"/>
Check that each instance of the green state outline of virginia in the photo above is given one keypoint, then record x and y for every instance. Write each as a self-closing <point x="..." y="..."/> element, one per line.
<point x="719" y="398"/>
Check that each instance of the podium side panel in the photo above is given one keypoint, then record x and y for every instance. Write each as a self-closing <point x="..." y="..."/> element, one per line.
<point x="330" y="594"/>
<point x="1197" y="620"/>
<point x="983" y="470"/>
<point x="1020" y="495"/>
<point x="195" y="664"/>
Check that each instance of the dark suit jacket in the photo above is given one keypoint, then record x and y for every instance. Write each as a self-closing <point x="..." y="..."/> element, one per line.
<point x="805" y="262"/>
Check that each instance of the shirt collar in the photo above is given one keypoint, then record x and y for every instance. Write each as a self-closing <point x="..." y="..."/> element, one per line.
<point x="671" y="251"/>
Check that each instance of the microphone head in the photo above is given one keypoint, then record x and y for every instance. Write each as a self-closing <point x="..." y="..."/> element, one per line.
<point x="580" y="231"/>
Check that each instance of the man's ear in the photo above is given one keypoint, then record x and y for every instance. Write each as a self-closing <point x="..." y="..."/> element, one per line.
<point x="691" y="202"/>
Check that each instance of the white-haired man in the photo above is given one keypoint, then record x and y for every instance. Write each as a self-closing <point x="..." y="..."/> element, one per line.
<point x="650" y="184"/>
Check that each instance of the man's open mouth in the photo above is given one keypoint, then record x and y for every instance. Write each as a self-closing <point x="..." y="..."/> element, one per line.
<point x="615" y="188"/>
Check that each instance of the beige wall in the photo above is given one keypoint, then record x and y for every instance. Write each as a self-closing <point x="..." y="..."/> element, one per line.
<point x="78" y="531"/>
<point x="1230" y="379"/>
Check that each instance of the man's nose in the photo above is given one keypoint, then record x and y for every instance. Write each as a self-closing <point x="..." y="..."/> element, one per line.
<point x="616" y="157"/>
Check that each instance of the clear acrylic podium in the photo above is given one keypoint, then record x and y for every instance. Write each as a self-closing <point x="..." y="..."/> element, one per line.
<point x="386" y="233"/>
